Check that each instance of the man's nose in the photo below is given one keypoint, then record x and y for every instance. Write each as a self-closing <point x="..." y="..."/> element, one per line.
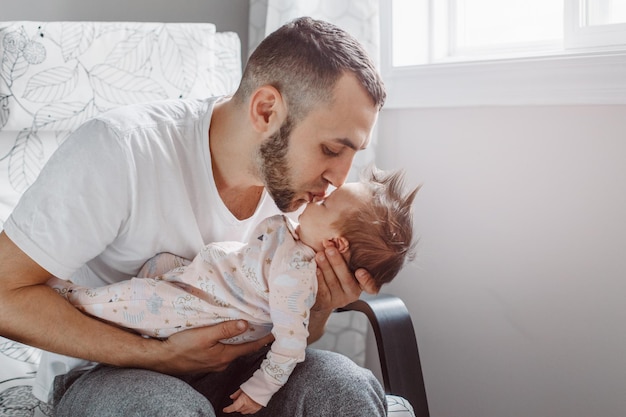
<point x="338" y="172"/>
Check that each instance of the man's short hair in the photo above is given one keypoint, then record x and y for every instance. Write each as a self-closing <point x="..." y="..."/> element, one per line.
<point x="303" y="59"/>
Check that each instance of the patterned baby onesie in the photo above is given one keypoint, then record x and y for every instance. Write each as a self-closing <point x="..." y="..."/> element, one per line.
<point x="269" y="281"/>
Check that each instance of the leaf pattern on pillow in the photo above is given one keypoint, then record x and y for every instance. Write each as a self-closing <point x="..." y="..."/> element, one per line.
<point x="120" y="87"/>
<point x="181" y="71"/>
<point x="51" y="85"/>
<point x="18" y="401"/>
<point x="20" y="352"/>
<point x="25" y="160"/>
<point x="132" y="53"/>
<point x="56" y="75"/>
<point x="16" y="398"/>
<point x="76" y="38"/>
<point x="4" y="110"/>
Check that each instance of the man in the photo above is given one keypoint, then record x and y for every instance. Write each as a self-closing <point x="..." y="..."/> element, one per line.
<point x="169" y="177"/>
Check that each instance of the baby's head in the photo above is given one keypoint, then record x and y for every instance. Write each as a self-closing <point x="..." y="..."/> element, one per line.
<point x="370" y="222"/>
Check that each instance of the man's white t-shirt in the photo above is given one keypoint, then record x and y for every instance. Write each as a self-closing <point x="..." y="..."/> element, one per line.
<point x="125" y="186"/>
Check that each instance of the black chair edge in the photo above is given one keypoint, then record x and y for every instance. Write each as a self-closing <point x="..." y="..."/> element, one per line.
<point x="397" y="347"/>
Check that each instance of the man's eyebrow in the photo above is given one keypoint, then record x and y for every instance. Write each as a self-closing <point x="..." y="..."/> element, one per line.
<point x="348" y="143"/>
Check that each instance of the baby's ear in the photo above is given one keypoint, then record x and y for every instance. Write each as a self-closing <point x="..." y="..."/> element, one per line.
<point x="340" y="242"/>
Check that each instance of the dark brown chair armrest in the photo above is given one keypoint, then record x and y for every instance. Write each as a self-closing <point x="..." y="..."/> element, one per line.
<point x="397" y="348"/>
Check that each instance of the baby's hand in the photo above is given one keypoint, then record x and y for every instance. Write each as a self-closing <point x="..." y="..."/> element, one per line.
<point x="242" y="404"/>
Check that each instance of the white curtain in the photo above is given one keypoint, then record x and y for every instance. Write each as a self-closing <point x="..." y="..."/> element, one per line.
<point x="346" y="332"/>
<point x="360" y="18"/>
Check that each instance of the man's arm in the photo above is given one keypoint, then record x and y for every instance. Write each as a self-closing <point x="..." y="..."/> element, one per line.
<point x="337" y="287"/>
<point x="32" y="313"/>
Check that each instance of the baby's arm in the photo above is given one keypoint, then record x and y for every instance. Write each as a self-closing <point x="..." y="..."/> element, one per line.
<point x="292" y="286"/>
<point x="242" y="404"/>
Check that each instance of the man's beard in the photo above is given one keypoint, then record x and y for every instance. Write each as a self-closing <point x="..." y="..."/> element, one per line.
<point x="275" y="170"/>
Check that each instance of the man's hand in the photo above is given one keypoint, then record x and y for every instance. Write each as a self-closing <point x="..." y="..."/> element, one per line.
<point x="337" y="287"/>
<point x="200" y="350"/>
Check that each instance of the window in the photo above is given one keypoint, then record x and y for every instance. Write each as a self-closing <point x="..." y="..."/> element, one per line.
<point x="481" y="52"/>
<point x="456" y="30"/>
<point x="595" y="24"/>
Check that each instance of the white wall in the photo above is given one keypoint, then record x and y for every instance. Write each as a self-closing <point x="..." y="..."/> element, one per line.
<point x="518" y="294"/>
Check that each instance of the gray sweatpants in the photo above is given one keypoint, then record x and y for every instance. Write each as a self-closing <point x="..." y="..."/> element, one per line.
<point x="325" y="384"/>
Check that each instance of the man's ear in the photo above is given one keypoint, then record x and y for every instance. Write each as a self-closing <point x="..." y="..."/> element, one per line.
<point x="267" y="109"/>
<point x="340" y="242"/>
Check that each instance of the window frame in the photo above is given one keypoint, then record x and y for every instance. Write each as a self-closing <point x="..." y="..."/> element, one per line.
<point x="579" y="35"/>
<point x="576" y="77"/>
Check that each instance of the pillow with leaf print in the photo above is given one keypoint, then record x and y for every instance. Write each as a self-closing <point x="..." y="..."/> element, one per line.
<point x="56" y="75"/>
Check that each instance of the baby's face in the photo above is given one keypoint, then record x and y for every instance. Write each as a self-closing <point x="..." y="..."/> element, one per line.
<point x="317" y="218"/>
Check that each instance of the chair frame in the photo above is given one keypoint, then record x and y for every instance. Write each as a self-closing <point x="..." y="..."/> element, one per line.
<point x="397" y="348"/>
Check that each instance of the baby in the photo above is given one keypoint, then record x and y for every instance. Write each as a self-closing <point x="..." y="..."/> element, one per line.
<point x="269" y="281"/>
